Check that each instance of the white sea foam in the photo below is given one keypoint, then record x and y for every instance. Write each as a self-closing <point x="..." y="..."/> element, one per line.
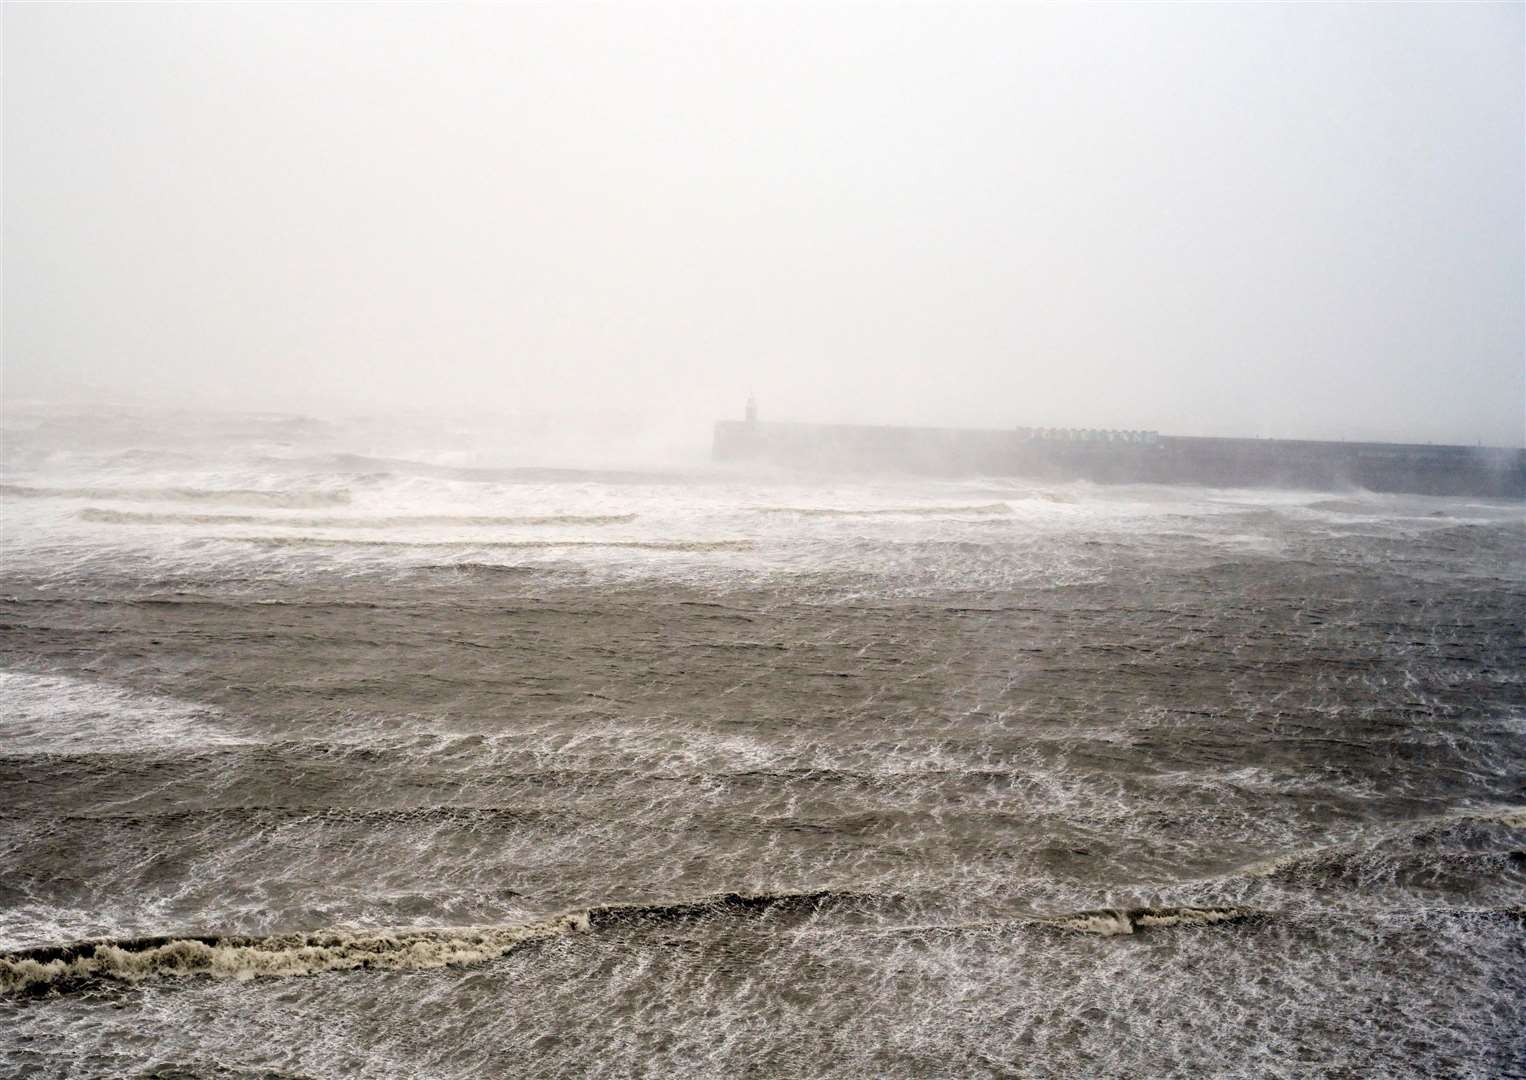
<point x="57" y="714"/>
<point x="400" y="521"/>
<point x="168" y="494"/>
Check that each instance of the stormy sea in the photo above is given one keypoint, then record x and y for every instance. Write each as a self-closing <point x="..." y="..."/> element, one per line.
<point x="377" y="749"/>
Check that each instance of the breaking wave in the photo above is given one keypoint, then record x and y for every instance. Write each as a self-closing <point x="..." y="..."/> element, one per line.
<point x="289" y="499"/>
<point x="1109" y="922"/>
<point x="128" y="517"/>
<point x="367" y="465"/>
<point x="53" y="715"/>
<point x="63" y="968"/>
<point x="71" y="967"/>
<point x="1447" y="851"/>
<point x="894" y="511"/>
<point x="475" y="545"/>
<point x="78" y="965"/>
<point x="1512" y="817"/>
<point x="477" y="569"/>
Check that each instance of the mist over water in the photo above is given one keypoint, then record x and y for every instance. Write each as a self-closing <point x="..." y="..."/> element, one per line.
<point x="330" y="753"/>
<point x="1235" y="220"/>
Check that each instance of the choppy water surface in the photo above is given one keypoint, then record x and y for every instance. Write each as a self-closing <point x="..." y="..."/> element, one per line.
<point x="330" y="753"/>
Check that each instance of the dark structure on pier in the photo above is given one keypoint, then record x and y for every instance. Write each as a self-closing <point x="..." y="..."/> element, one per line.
<point x="1128" y="457"/>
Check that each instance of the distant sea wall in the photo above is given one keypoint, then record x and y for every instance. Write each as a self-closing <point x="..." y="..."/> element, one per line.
<point x="1129" y="457"/>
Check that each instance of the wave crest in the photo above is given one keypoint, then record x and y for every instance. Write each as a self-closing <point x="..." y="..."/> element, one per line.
<point x="63" y="968"/>
<point x="476" y="545"/>
<point x="74" y="966"/>
<point x="1109" y="922"/>
<point x="893" y="511"/>
<point x="130" y="517"/>
<point x="290" y="499"/>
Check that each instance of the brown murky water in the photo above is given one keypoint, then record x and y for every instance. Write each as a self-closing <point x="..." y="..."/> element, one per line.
<point x="314" y="764"/>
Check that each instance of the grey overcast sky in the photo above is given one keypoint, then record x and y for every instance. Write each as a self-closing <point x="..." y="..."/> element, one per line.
<point x="1300" y="219"/>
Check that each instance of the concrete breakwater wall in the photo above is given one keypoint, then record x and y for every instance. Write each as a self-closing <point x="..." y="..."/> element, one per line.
<point x="1127" y="457"/>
